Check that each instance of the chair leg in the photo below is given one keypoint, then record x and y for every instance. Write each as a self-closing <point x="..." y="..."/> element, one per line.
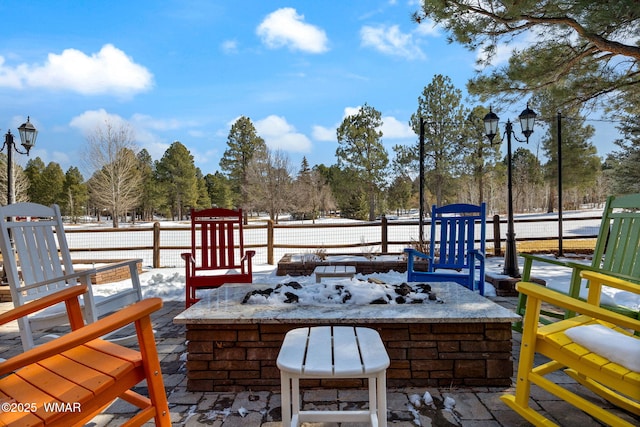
<point x="155" y="384"/>
<point x="285" y="397"/>
<point x="520" y="402"/>
<point x="381" y="394"/>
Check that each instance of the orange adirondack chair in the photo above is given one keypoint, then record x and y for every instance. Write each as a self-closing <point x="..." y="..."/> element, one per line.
<point x="217" y="251"/>
<point x="70" y="380"/>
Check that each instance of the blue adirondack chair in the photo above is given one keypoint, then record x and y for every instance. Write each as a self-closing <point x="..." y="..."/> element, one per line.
<point x="453" y="256"/>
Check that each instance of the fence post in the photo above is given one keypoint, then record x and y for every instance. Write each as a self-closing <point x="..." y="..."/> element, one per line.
<point x="156" y="244"/>
<point x="384" y="238"/>
<point x="270" y="243"/>
<point x="497" y="251"/>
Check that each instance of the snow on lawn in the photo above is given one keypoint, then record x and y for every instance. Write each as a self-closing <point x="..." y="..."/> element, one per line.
<point x="169" y="283"/>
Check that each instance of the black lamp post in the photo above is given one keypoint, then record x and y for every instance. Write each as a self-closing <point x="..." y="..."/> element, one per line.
<point x="421" y="185"/>
<point x="527" y="120"/>
<point x="28" y="134"/>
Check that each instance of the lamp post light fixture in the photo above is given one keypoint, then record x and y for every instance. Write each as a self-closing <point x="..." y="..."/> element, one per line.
<point x="28" y="134"/>
<point x="527" y="121"/>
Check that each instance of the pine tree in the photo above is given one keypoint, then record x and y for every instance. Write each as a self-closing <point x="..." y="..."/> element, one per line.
<point x="360" y="149"/>
<point x="152" y="195"/>
<point x="446" y="147"/>
<point x="219" y="190"/>
<point x="584" y="50"/>
<point x="33" y="171"/>
<point x="177" y="171"/>
<point x="76" y="194"/>
<point x="243" y="144"/>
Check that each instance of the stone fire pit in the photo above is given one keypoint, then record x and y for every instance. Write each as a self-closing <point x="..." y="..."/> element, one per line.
<point x="464" y="340"/>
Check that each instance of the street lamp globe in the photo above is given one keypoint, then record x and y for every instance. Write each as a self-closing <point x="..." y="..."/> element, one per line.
<point x="491" y="125"/>
<point x="527" y="121"/>
<point x="28" y="135"/>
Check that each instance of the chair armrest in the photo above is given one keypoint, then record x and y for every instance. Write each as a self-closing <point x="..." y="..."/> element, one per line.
<point x="539" y="258"/>
<point x="535" y="291"/>
<point x="414" y="252"/>
<point x="530" y="258"/>
<point x="189" y="264"/>
<point x="83" y="335"/>
<point x="248" y="255"/>
<point x="86" y="274"/>
<point x="585" y="267"/>
<point x="65" y="295"/>
<point x="603" y="278"/>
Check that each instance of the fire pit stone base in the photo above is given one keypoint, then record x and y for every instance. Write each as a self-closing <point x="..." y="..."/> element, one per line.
<point x="465" y="341"/>
<point x="235" y="357"/>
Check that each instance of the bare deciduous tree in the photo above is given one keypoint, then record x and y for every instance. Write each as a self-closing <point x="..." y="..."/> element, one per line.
<point x="111" y="154"/>
<point x="312" y="194"/>
<point x="269" y="183"/>
<point x="20" y="181"/>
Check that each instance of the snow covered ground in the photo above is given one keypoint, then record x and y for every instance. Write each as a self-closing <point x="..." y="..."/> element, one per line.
<point x="169" y="283"/>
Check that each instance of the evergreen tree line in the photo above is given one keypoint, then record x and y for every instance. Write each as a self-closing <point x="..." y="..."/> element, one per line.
<point x="460" y="166"/>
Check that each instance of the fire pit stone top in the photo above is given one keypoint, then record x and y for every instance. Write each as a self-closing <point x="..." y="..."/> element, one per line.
<point x="453" y="303"/>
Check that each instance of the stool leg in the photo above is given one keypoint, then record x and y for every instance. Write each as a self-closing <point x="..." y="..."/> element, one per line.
<point x="285" y="386"/>
<point x="295" y="399"/>
<point x="373" y="402"/>
<point x="382" y="398"/>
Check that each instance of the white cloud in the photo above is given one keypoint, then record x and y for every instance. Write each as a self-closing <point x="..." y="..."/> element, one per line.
<point x="351" y="111"/>
<point x="391" y="41"/>
<point x="285" y="27"/>
<point x="428" y="27"/>
<point x="108" y="71"/>
<point x="393" y="128"/>
<point x="280" y="135"/>
<point x="321" y="133"/>
<point x="144" y="128"/>
<point x="89" y="121"/>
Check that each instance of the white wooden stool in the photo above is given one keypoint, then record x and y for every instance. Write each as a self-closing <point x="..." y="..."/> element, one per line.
<point x="333" y="352"/>
<point x="334" y="271"/>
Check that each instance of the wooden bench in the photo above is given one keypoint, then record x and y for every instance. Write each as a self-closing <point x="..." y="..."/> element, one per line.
<point x="333" y="352"/>
<point x="70" y="380"/>
<point x="334" y="271"/>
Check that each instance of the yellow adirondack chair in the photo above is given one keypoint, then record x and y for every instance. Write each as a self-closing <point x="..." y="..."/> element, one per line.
<point x="69" y="380"/>
<point x="609" y="377"/>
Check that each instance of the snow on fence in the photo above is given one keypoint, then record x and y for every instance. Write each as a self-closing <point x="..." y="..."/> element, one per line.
<point x="160" y="245"/>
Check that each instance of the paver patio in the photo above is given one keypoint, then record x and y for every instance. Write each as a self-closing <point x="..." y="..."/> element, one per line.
<point x="474" y="406"/>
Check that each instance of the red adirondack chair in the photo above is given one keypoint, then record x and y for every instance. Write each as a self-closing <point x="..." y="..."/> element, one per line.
<point x="215" y="257"/>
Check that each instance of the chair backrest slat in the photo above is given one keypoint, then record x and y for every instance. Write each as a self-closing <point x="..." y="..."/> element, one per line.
<point x="618" y="247"/>
<point x="214" y="233"/>
<point x="32" y="233"/>
<point x="455" y="225"/>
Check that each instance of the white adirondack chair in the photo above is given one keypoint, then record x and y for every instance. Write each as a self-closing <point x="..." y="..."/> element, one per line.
<point x="37" y="263"/>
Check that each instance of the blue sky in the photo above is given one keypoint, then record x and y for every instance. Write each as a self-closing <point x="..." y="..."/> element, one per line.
<point x="185" y="70"/>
